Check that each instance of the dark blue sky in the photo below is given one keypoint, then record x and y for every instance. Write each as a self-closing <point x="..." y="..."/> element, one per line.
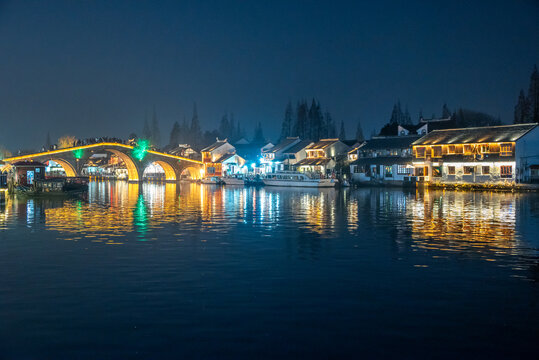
<point x="92" y="68"/>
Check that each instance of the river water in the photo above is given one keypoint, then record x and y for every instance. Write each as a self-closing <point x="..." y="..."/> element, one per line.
<point x="198" y="271"/>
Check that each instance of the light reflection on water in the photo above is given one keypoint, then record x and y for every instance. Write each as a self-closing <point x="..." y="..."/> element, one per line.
<point x="302" y="268"/>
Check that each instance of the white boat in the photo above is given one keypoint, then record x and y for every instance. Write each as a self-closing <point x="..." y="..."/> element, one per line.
<point x="214" y="180"/>
<point x="233" y="180"/>
<point x="292" y="178"/>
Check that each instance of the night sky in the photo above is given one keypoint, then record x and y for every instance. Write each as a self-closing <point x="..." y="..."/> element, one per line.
<point x="93" y="68"/>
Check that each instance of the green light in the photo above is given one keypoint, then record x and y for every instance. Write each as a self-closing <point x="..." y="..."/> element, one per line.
<point x="78" y="153"/>
<point x="139" y="151"/>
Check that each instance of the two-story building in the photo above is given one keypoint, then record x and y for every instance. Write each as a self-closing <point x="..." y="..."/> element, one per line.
<point x="491" y="155"/>
<point x="220" y="159"/>
<point x="383" y="160"/>
<point x="272" y="159"/>
<point x="322" y="156"/>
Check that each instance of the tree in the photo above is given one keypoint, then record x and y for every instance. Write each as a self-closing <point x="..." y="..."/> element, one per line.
<point x="359" y="132"/>
<point x="315" y="128"/>
<point x="522" y="109"/>
<point x="286" y="127"/>
<point x="331" y="131"/>
<point x="195" y="131"/>
<point x="66" y="141"/>
<point x="175" y="135"/>
<point x="302" y="118"/>
<point x="342" y="135"/>
<point x="407" y="119"/>
<point x="156" y="134"/>
<point x="397" y="116"/>
<point x="258" y="137"/>
<point x="146" y="131"/>
<point x="445" y="112"/>
<point x="533" y="95"/>
<point x="4" y="153"/>
<point x="48" y="141"/>
<point x="224" y="127"/>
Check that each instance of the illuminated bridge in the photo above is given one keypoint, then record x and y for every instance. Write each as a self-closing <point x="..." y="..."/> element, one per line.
<point x="135" y="158"/>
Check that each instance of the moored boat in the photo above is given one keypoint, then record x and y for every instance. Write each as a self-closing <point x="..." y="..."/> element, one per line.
<point x="213" y="180"/>
<point x="297" y="179"/>
<point x="233" y="180"/>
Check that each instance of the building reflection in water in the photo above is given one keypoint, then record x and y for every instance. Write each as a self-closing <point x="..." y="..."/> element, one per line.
<point x="456" y="221"/>
<point x="429" y="220"/>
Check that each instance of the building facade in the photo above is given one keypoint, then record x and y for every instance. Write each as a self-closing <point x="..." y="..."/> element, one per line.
<point x="383" y="160"/>
<point x="481" y="155"/>
<point x="322" y="156"/>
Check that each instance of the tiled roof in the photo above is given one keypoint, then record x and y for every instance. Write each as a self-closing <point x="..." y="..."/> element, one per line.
<point x="283" y="145"/>
<point x="390" y="142"/>
<point x="298" y="147"/>
<point x="223" y="158"/>
<point x="383" y="160"/>
<point x="313" y="161"/>
<point x="323" y="143"/>
<point x="484" y="134"/>
<point x="215" y="145"/>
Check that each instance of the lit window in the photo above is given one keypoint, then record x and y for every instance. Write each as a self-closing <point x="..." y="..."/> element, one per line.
<point x="389" y="171"/>
<point x="506" y="149"/>
<point x="420" y="151"/>
<point x="485" y="170"/>
<point x="436" y="171"/>
<point x="468" y="149"/>
<point x="437" y="151"/>
<point x="506" y="171"/>
<point x="485" y="149"/>
<point x="403" y="170"/>
<point x="451" y="170"/>
<point x="468" y="170"/>
<point x="451" y="149"/>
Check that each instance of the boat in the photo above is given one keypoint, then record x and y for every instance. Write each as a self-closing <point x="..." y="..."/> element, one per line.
<point x="233" y="180"/>
<point x="293" y="178"/>
<point x="213" y="180"/>
<point x="53" y="186"/>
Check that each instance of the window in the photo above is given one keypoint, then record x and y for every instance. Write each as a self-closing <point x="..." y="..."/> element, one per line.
<point x="388" y="171"/>
<point x="468" y="149"/>
<point x="420" y="151"/>
<point x="436" y="171"/>
<point x="468" y="170"/>
<point x="451" y="149"/>
<point x="210" y="170"/>
<point x="506" y="149"/>
<point x="451" y="170"/>
<point x="403" y="170"/>
<point x="485" y="149"/>
<point x="485" y="170"/>
<point x="437" y="151"/>
<point x="506" y="171"/>
<point x="419" y="171"/>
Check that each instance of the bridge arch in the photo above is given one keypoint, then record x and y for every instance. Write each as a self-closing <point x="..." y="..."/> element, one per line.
<point x="132" y="169"/>
<point x="192" y="171"/>
<point x="68" y="168"/>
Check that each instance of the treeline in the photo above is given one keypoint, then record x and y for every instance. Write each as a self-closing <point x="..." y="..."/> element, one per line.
<point x="308" y="122"/>
<point x="190" y="132"/>
<point x="527" y="107"/>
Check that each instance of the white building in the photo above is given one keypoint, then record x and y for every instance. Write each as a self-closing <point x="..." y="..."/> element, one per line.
<point x="489" y="155"/>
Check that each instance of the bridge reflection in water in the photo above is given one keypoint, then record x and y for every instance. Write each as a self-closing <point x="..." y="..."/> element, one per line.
<point x="117" y="212"/>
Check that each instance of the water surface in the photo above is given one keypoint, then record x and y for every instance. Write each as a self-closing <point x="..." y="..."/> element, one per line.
<point x="165" y="271"/>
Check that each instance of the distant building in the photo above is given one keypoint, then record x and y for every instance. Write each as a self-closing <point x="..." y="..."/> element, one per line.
<point x="490" y="154"/>
<point x="322" y="156"/>
<point x="296" y="153"/>
<point x="184" y="150"/>
<point x="383" y="160"/>
<point x="423" y="127"/>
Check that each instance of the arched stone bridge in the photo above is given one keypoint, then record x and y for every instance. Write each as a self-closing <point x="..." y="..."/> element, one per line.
<point x="73" y="159"/>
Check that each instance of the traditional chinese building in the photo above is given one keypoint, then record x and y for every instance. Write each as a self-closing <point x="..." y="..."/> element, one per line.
<point x="272" y="159"/>
<point x="322" y="156"/>
<point x="492" y="154"/>
<point x="26" y="172"/>
<point x="383" y="160"/>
